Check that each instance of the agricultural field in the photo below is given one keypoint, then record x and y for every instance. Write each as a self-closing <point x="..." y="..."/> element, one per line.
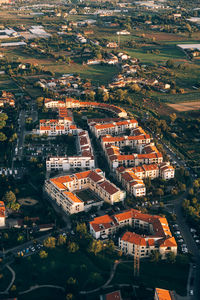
<point x="186" y="106"/>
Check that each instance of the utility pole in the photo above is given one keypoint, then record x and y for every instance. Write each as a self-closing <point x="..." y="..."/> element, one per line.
<point x="136" y="261"/>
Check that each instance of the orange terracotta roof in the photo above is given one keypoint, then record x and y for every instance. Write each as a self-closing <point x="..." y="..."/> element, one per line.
<point x="82" y="175"/>
<point x="72" y="197"/>
<point x="113" y="296"/>
<point x="45" y="128"/>
<point x="104" y="126"/>
<point x="133" y="238"/>
<point x="95" y="176"/>
<point x="163" y="294"/>
<point x="170" y="242"/>
<point x="108" y="187"/>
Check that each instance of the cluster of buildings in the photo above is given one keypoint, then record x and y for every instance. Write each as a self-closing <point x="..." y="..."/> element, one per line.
<point x="143" y="159"/>
<point x="158" y="237"/>
<point x="63" y="190"/>
<point x="110" y="60"/>
<point x="73" y="103"/>
<point x="132" y="178"/>
<point x="7" y="98"/>
<point x="117" y="137"/>
<point x="84" y="159"/>
<point x="125" y="79"/>
<point x="67" y="83"/>
<point x="62" y="125"/>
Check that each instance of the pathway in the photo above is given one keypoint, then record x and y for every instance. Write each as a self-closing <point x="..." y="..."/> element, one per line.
<point x="35" y="287"/>
<point x="112" y="274"/>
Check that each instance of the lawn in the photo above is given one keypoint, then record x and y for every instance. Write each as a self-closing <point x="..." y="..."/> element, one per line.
<point x="5" y="280"/>
<point x="57" y="268"/>
<point x="44" y="294"/>
<point x="194" y="96"/>
<point x="166" y="52"/>
<point x="163" y="275"/>
<point x="98" y="74"/>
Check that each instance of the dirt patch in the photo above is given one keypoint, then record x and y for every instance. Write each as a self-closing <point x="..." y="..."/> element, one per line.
<point x="161" y="36"/>
<point x="27" y="201"/>
<point x="186" y="106"/>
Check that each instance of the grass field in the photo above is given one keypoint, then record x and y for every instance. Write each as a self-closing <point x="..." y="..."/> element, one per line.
<point x="186" y="106"/>
<point x="166" y="52"/>
<point x="179" y="98"/>
<point x="60" y="265"/>
<point x="44" y="294"/>
<point x="56" y="269"/>
<point x="167" y="276"/>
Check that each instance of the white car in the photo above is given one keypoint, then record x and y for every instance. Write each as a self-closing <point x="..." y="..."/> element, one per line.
<point x="191" y="292"/>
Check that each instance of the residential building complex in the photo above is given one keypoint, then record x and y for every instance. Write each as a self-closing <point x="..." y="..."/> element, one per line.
<point x="114" y="128"/>
<point x="132" y="178"/>
<point x="73" y="103"/>
<point x="159" y="237"/>
<point x="84" y="159"/>
<point x="63" y="190"/>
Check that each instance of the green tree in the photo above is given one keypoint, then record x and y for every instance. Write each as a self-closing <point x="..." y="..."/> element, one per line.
<point x="69" y="296"/>
<point x="50" y="242"/>
<point x="81" y="228"/>
<point x="173" y="117"/>
<point x="40" y="102"/>
<point x="159" y="192"/>
<point x="170" y="63"/>
<point x="9" y="197"/>
<point x="71" y="281"/>
<point x="73" y="247"/>
<point x="95" y="247"/>
<point x="61" y="240"/>
<point x="171" y="257"/>
<point x="155" y="256"/>
<point x="43" y="254"/>
<point x="3" y="137"/>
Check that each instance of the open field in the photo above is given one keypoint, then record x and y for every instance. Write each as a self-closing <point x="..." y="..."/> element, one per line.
<point x="166" y="52"/>
<point x="186" y="106"/>
<point x="179" y="98"/>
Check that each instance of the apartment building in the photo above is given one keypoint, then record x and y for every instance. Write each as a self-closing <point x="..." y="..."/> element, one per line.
<point x="73" y="103"/>
<point x="114" y="128"/>
<point x="132" y="184"/>
<point x="2" y="214"/>
<point x="62" y="125"/>
<point x="159" y="235"/>
<point x="116" y="159"/>
<point x="137" y="141"/>
<point x="84" y="159"/>
<point x="49" y="103"/>
<point x="94" y="180"/>
<point x="166" y="171"/>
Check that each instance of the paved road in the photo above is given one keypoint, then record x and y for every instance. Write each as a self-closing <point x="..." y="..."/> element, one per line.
<point x="192" y="247"/>
<point x="176" y="207"/>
